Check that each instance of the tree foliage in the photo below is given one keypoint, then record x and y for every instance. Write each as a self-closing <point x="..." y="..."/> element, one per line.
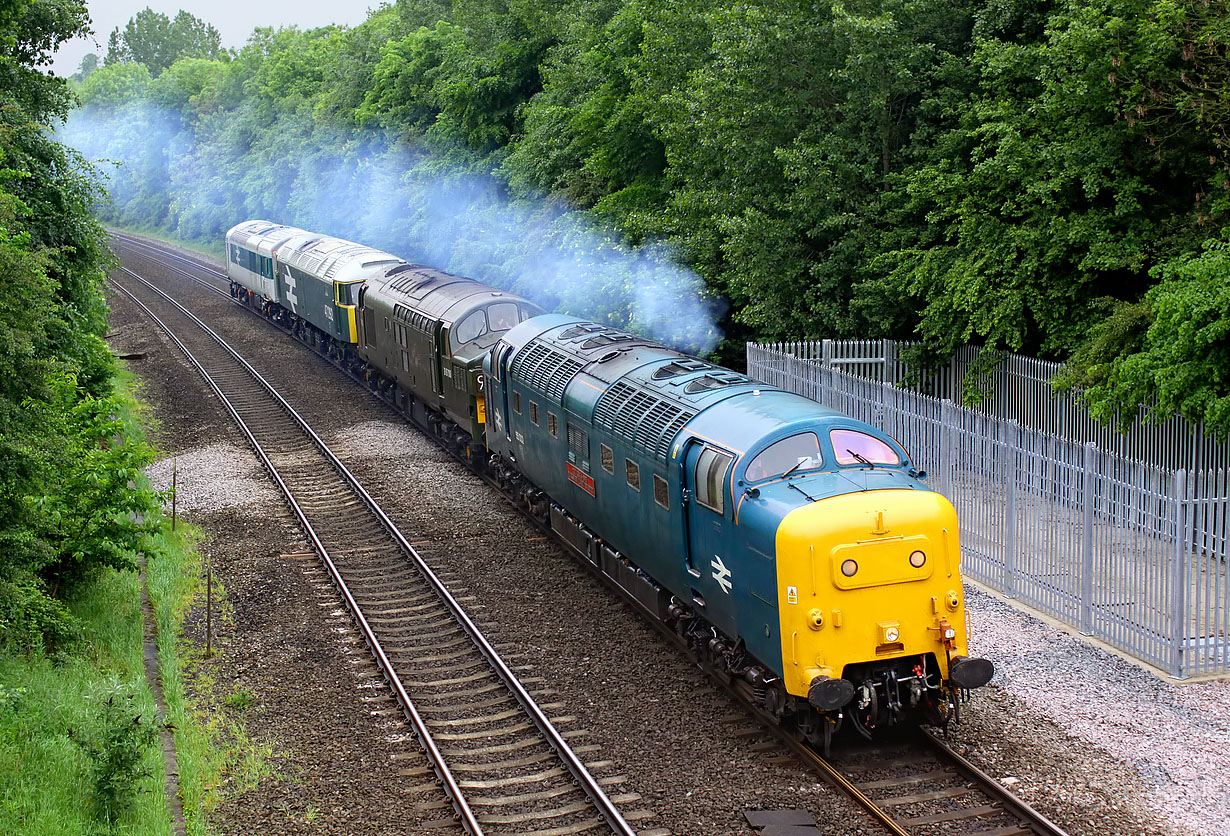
<point x="1043" y="177"/>
<point x="156" y="41"/>
<point x="66" y="505"/>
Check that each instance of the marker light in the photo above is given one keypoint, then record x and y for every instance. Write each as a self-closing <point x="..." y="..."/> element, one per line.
<point x="892" y="634"/>
<point x="848" y="568"/>
<point x="917" y="559"/>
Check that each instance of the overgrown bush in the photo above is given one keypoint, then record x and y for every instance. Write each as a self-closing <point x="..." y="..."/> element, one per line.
<point x="119" y="755"/>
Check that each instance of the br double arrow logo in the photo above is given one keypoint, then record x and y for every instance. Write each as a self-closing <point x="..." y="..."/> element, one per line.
<point x="720" y="573"/>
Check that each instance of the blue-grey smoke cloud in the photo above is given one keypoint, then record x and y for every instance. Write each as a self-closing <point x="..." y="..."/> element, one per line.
<point x="403" y="200"/>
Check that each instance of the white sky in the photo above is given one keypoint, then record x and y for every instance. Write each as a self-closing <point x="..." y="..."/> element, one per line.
<point x="235" y="19"/>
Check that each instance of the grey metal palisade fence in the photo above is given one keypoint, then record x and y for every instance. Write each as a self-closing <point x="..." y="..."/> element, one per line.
<point x="1123" y="537"/>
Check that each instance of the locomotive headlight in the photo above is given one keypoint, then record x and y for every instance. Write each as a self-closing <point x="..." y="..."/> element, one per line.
<point x="917" y="559"/>
<point x="892" y="634"/>
<point x="849" y="568"/>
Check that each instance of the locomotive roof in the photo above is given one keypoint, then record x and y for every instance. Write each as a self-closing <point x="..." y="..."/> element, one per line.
<point x="323" y="256"/>
<point x="439" y="295"/>
<point x="645" y="393"/>
<point x="262" y="235"/>
<point x="334" y="259"/>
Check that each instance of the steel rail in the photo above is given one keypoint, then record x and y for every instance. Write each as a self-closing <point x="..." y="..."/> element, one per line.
<point x="134" y="241"/>
<point x="602" y="803"/>
<point x="1030" y="817"/>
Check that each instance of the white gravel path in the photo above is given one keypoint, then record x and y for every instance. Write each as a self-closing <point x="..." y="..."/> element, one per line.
<point x="213" y="478"/>
<point x="1176" y="735"/>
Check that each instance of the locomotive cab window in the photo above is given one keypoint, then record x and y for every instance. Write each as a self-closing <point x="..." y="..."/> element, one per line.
<point x="502" y="316"/>
<point x="348" y="294"/>
<point x="789" y="455"/>
<point x="711" y="467"/>
<point x="470" y="328"/>
<point x="854" y="447"/>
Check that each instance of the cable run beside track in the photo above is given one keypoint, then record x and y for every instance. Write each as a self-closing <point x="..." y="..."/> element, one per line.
<point x="470" y="712"/>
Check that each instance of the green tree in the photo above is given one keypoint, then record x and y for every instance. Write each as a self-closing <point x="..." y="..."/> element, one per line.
<point x="156" y="41"/>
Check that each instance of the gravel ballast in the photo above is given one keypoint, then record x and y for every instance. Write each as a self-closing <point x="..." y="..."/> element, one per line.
<point x="1172" y="737"/>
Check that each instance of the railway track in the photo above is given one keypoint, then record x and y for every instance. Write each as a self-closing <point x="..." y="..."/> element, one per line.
<point x="915" y="785"/>
<point x="494" y="751"/>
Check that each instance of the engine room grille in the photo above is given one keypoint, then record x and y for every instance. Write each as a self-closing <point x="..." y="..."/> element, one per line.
<point x="546" y="370"/>
<point x="646" y="421"/>
<point x="578" y="442"/>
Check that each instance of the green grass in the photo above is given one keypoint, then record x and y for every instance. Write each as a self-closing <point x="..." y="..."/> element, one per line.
<point x="217" y="755"/>
<point x="65" y="717"/>
<point x="53" y="710"/>
<point x="215" y="751"/>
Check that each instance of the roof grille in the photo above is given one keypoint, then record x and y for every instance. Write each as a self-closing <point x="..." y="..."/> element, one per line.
<point x="644" y="420"/>
<point x="546" y="369"/>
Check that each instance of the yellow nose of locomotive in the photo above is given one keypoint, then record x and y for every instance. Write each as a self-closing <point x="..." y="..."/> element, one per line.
<point x="865" y="577"/>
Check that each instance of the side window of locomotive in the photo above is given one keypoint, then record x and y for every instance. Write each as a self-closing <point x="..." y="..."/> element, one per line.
<point x="711" y="467"/>
<point x="660" y="492"/>
<point x="633" y="471"/>
<point x="470" y="328"/>
<point x="534" y="413"/>
<point x="517" y="402"/>
<point x="789" y="455"/>
<point x="502" y="316"/>
<point x="608" y="459"/>
<point x="552" y="425"/>
<point x="854" y="447"/>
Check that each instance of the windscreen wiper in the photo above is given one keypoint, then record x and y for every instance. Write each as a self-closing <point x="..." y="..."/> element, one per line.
<point x="861" y="459"/>
<point x="794" y="467"/>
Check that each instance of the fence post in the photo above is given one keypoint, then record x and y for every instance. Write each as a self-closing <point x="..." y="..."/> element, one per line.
<point x="826" y="353"/>
<point x="1011" y="454"/>
<point x="1179" y="575"/>
<point x="890" y="362"/>
<point x="947" y="462"/>
<point x="1087" y="501"/>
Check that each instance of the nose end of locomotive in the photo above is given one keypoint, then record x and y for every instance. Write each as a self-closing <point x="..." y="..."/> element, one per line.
<point x="970" y="672"/>
<point x="829" y="694"/>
